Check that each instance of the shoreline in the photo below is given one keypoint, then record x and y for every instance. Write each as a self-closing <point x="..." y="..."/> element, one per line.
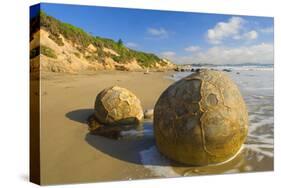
<point x="68" y="100"/>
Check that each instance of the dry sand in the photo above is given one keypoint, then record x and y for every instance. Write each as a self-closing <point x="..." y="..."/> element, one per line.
<point x="68" y="153"/>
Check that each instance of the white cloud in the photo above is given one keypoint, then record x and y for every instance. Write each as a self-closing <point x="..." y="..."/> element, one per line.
<point x="251" y="35"/>
<point x="261" y="53"/>
<point x="267" y="30"/>
<point x="232" y="29"/>
<point x="192" y="48"/>
<point x="168" y="54"/>
<point x="223" y="30"/>
<point x="131" y="45"/>
<point x="157" y="32"/>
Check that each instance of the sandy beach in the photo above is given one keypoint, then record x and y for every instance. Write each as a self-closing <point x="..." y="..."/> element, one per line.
<point x="69" y="154"/>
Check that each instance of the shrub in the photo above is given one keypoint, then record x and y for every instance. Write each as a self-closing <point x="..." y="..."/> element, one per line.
<point x="56" y="39"/>
<point x="49" y="52"/>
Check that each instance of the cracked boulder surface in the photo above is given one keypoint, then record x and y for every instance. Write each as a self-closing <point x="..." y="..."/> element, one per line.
<point x="201" y="119"/>
<point x="115" y="108"/>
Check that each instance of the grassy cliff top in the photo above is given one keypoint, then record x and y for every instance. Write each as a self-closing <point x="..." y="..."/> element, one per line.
<point x="82" y="40"/>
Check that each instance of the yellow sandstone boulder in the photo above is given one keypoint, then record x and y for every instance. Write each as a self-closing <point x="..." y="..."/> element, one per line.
<point x="201" y="119"/>
<point x="116" y="108"/>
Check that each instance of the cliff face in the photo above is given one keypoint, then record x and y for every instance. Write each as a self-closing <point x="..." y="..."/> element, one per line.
<point x="61" y="47"/>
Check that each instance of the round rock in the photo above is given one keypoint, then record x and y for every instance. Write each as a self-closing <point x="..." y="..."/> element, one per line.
<point x="117" y="106"/>
<point x="201" y="119"/>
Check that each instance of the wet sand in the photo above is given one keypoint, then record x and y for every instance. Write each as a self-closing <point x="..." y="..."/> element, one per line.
<point x="69" y="154"/>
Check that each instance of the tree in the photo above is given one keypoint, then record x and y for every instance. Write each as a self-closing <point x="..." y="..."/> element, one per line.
<point x="120" y="42"/>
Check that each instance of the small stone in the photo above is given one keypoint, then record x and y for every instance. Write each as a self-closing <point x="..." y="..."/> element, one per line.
<point x="247" y="168"/>
<point x="148" y="114"/>
<point x="227" y="70"/>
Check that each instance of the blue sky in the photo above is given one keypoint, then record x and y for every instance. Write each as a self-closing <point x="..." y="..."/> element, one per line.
<point x="179" y="36"/>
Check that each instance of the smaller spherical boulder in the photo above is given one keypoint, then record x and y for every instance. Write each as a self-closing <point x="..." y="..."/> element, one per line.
<point x="117" y="106"/>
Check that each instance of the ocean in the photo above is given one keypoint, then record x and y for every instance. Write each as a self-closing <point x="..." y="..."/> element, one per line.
<point x="256" y="83"/>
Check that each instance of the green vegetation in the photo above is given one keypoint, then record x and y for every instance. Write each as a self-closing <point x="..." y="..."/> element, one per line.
<point x="45" y="50"/>
<point x="49" y="52"/>
<point x="120" y="42"/>
<point x="83" y="40"/>
<point x="56" y="39"/>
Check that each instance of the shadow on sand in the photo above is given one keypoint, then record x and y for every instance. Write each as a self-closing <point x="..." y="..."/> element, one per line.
<point x="128" y="149"/>
<point x="80" y="115"/>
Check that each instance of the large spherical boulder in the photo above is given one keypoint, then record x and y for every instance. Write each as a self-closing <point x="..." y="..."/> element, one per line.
<point x="117" y="106"/>
<point x="201" y="119"/>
